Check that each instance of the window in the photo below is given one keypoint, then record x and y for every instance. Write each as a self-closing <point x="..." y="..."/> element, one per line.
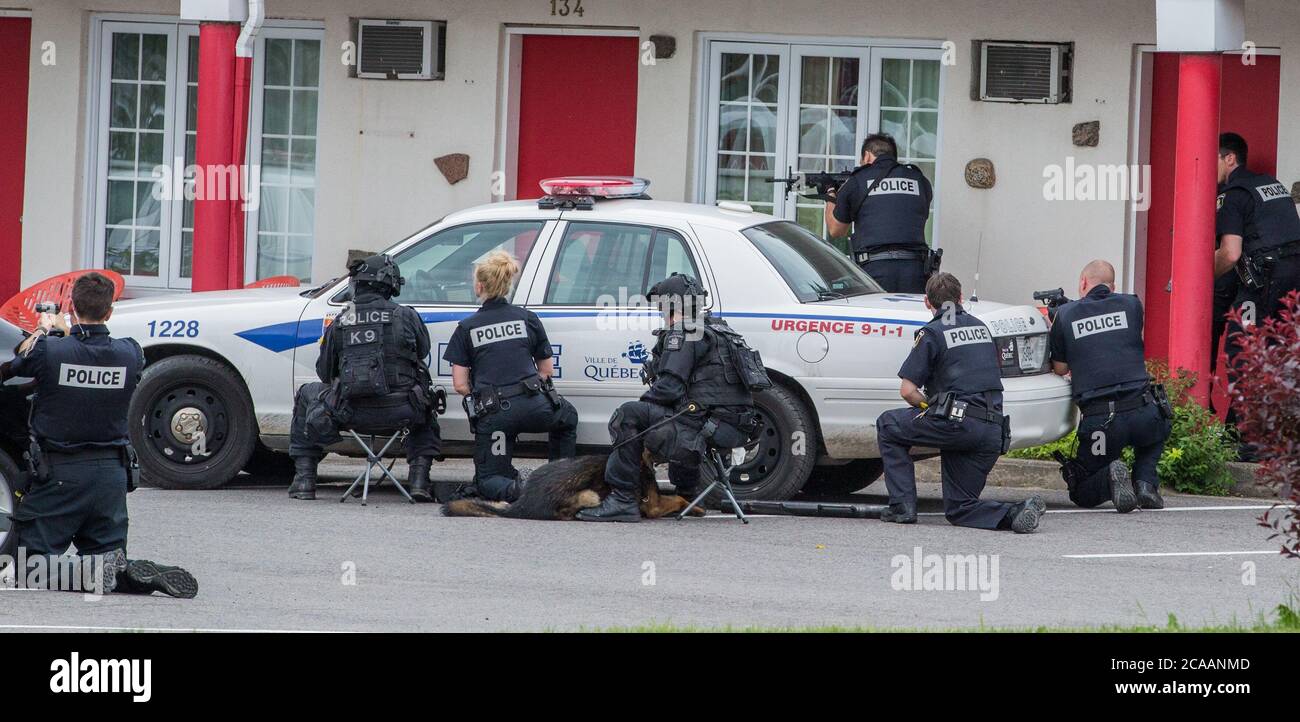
<point x="614" y="261"/>
<point x="813" y="270"/>
<point x="776" y="109"/>
<point x="286" y="215"/>
<point x="439" y="269"/>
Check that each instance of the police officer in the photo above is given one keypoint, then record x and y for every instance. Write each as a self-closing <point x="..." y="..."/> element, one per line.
<point x="82" y="464"/>
<point x="955" y="361"/>
<point x="373" y="375"/>
<point x="1097" y="340"/>
<point x="888" y="205"/>
<point x="502" y="363"/>
<point x="697" y="398"/>
<point x="1259" y="238"/>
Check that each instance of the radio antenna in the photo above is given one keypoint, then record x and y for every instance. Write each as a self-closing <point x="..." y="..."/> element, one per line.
<point x="975" y="287"/>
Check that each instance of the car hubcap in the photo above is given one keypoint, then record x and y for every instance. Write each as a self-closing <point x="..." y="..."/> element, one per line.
<point x="762" y="456"/>
<point x="187" y="424"/>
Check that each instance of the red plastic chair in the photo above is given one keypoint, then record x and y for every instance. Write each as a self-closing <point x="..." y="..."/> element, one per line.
<point x="276" y="282"/>
<point x="21" y="309"/>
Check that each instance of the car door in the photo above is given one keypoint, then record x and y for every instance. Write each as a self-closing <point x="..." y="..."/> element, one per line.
<point x="590" y="295"/>
<point x="438" y="269"/>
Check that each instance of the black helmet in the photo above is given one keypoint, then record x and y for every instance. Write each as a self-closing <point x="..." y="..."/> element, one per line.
<point x="681" y="293"/>
<point x="379" y="270"/>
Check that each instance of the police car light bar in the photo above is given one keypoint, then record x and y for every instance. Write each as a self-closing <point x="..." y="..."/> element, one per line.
<point x="582" y="191"/>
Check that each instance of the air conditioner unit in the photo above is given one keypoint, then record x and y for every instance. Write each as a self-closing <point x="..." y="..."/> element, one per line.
<point x="399" y="49"/>
<point x="1021" y="72"/>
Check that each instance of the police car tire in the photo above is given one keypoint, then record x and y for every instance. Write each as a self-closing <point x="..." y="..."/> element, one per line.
<point x="9" y="472"/>
<point x="832" y="481"/>
<point x="789" y="416"/>
<point x="236" y="449"/>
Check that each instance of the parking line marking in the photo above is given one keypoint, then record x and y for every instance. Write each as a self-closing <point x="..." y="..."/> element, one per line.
<point x="1166" y="554"/>
<point x="1111" y="510"/>
<point x="78" y="627"/>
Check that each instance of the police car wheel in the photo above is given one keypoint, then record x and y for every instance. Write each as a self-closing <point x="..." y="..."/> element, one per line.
<point x="831" y="481"/>
<point x="771" y="470"/>
<point x="193" y="424"/>
<point x="8" y="479"/>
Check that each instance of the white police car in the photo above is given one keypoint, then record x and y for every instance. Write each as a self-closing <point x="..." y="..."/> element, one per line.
<point x="223" y="366"/>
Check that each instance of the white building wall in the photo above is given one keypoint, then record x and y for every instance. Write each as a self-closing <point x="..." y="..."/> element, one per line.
<point x="377" y="181"/>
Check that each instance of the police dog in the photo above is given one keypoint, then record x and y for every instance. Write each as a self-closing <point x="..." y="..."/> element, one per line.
<point x="559" y="490"/>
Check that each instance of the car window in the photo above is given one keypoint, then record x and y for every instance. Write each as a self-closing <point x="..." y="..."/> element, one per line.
<point x="439" y="269"/>
<point x="615" y="261"/>
<point x="814" y="270"/>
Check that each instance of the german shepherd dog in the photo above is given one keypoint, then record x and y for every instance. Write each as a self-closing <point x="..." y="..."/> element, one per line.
<point x="559" y="490"/>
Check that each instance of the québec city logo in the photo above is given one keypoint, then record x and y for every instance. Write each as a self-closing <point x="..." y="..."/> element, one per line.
<point x="637" y="353"/>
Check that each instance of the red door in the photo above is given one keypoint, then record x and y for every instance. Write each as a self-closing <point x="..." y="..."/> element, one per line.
<point x="577" y="108"/>
<point x="1249" y="106"/>
<point x="15" y="49"/>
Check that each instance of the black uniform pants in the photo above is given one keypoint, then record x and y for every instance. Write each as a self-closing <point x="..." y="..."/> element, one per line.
<point x="1225" y="292"/>
<point x="1144" y="429"/>
<point x="423" y="442"/>
<point x="898" y="276"/>
<point x="968" y="449"/>
<point x="494" y="439"/>
<point x="1266" y="302"/>
<point x="675" y="440"/>
<point x="83" y="503"/>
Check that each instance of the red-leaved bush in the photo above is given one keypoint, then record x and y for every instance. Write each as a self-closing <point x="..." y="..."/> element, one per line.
<point x="1266" y="397"/>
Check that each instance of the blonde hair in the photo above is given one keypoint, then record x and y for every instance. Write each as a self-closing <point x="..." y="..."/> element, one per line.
<point x="495" y="273"/>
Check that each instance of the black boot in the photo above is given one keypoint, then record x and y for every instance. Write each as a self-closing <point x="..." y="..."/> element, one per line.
<point x="1024" y="517"/>
<point x="1148" y="496"/>
<point x="1121" y="488"/>
<point x="145" y="577"/>
<point x="418" y="478"/>
<point x="899" y="514"/>
<point x="618" y="506"/>
<point x="304" y="478"/>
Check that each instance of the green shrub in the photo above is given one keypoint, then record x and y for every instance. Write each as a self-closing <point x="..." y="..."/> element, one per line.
<point x="1198" y="450"/>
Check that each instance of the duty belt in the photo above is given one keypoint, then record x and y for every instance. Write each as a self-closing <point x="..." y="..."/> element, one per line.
<point x="982" y="414"/>
<point x="510" y="391"/>
<point x="92" y="454"/>
<point x="869" y="256"/>
<point x="1110" y="407"/>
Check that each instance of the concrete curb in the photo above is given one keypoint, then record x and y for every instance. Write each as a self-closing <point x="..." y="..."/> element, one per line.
<point x="1030" y="474"/>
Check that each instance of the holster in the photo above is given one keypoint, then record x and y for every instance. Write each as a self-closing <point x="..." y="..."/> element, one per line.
<point x="1006" y="433"/>
<point x="471" y="412"/>
<point x="131" y="463"/>
<point x="1071" y="470"/>
<point x="1161" y="399"/>
<point x="38" y="467"/>
<point x="933" y="262"/>
<point x="1255" y="270"/>
<point x="548" y="388"/>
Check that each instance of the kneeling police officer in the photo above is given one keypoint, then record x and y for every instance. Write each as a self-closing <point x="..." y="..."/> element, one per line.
<point x="502" y="364"/>
<point x="955" y="360"/>
<point x="700" y="375"/>
<point x="1098" y="341"/>
<point x="81" y="466"/>
<point x="373" y="375"/>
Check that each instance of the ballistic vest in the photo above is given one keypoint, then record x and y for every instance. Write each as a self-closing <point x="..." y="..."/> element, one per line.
<point x="83" y="394"/>
<point x="376" y="357"/>
<point x="895" y="212"/>
<point x="714" y="380"/>
<point x="501" y="345"/>
<point x="1274" y="222"/>
<point x="1103" y="343"/>
<point x="968" y="358"/>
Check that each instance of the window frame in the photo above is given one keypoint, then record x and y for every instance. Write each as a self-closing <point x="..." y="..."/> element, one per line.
<point x="553" y="258"/>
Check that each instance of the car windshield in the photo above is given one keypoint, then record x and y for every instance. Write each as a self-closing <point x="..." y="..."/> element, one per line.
<point x="814" y="270"/>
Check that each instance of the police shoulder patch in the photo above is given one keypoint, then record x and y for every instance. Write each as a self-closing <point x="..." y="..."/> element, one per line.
<point x="674" y="341"/>
<point x="920" y="335"/>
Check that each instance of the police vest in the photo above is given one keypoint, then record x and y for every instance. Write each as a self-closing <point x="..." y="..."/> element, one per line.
<point x="1274" y="221"/>
<point x="715" y="380"/>
<point x="968" y="358"/>
<point x="82" y="398"/>
<point x="500" y="345"/>
<point x="1103" y="341"/>
<point x="894" y="213"/>
<point x="376" y="356"/>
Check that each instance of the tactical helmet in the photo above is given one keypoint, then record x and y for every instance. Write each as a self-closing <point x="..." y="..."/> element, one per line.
<point x="681" y="293"/>
<point x="379" y="270"/>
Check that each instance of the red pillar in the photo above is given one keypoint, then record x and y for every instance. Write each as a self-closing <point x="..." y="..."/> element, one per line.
<point x="215" y="138"/>
<point x="1195" y="183"/>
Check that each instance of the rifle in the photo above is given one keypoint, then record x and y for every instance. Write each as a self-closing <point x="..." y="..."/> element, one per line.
<point x="813" y="186"/>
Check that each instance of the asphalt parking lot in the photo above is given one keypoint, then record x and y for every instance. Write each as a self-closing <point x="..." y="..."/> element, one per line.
<point x="265" y="562"/>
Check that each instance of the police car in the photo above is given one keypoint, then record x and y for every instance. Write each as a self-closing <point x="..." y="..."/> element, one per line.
<point x="218" y="391"/>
